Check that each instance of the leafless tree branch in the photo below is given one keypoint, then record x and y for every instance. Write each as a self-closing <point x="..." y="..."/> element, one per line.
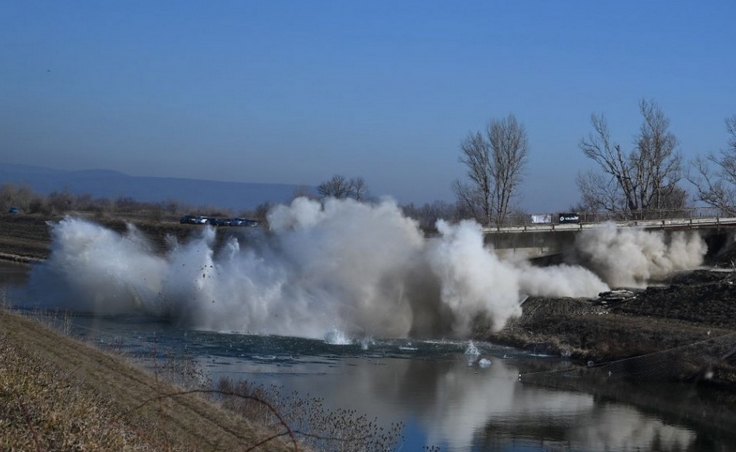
<point x="717" y="187"/>
<point x="509" y="148"/>
<point x="270" y="407"/>
<point x="341" y="187"/>
<point x="494" y="164"/>
<point x="645" y="179"/>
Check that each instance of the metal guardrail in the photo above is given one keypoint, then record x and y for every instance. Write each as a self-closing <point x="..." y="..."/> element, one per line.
<point x="663" y="223"/>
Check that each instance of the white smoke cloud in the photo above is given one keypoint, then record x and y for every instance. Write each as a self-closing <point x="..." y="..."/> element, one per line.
<point x="559" y="281"/>
<point x="472" y="279"/>
<point x="362" y="269"/>
<point x="112" y="273"/>
<point x="633" y="257"/>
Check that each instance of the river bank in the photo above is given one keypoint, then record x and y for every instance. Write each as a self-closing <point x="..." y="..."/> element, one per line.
<point x="57" y="393"/>
<point x="692" y="316"/>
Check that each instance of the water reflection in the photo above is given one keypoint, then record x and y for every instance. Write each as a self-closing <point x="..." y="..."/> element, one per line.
<point x="13" y="279"/>
<point x="464" y="408"/>
<point x="618" y="427"/>
<point x="13" y="275"/>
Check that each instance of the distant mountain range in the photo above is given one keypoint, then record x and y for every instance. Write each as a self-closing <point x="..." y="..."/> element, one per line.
<point x="113" y="184"/>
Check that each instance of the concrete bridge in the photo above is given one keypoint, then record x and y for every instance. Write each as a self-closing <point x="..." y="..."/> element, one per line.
<point x="549" y="239"/>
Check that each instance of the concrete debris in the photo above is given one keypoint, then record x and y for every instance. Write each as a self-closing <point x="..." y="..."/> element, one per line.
<point x="615" y="295"/>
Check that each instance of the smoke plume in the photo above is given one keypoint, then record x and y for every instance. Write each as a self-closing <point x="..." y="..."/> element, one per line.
<point x="361" y="269"/>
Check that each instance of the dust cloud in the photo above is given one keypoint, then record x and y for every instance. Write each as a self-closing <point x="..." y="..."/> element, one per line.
<point x="632" y="257"/>
<point x="362" y="269"/>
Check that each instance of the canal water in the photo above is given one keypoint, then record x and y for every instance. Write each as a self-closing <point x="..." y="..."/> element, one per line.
<point x="447" y="395"/>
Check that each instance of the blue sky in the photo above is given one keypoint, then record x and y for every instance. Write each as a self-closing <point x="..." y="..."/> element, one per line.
<point x="294" y="92"/>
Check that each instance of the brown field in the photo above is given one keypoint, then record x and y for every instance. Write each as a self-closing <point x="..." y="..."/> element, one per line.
<point x="28" y="237"/>
<point x="24" y="237"/>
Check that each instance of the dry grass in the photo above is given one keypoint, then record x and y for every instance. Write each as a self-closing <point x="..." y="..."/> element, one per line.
<point x="60" y="394"/>
<point x="43" y="410"/>
<point x="315" y="425"/>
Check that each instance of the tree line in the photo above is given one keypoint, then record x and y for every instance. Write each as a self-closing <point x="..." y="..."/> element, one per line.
<point x="631" y="183"/>
<point x="58" y="203"/>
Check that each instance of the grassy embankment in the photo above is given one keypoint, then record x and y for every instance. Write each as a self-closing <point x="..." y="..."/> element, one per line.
<point x="60" y="394"/>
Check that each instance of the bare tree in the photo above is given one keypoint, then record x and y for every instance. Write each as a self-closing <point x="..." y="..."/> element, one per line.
<point x="599" y="192"/>
<point x="126" y="204"/>
<point x="470" y="201"/>
<point x="718" y="188"/>
<point x="509" y="146"/>
<point x="304" y="191"/>
<point x="476" y="196"/>
<point x="19" y="196"/>
<point x="60" y="201"/>
<point x="428" y="214"/>
<point x="359" y="189"/>
<point x="261" y="212"/>
<point x="341" y="187"/>
<point x="172" y="206"/>
<point x="643" y="180"/>
<point x="7" y="196"/>
<point x="658" y="166"/>
<point x="494" y="163"/>
<point x="337" y="187"/>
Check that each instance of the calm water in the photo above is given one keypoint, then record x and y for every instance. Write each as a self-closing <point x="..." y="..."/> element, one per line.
<point x="444" y="397"/>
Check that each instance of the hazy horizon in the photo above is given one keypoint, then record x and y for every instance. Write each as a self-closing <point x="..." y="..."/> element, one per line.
<point x="288" y="93"/>
<point x="110" y="184"/>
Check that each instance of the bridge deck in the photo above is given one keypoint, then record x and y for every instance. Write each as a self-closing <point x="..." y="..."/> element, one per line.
<point x="672" y="223"/>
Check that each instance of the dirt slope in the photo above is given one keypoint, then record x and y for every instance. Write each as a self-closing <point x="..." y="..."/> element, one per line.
<point x="693" y="316"/>
<point x="177" y="423"/>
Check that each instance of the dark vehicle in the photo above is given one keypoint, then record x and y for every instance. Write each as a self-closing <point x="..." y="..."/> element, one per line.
<point x="13" y="210"/>
<point x="243" y="222"/>
<point x="200" y="219"/>
<point x="214" y="221"/>
<point x="569" y="218"/>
